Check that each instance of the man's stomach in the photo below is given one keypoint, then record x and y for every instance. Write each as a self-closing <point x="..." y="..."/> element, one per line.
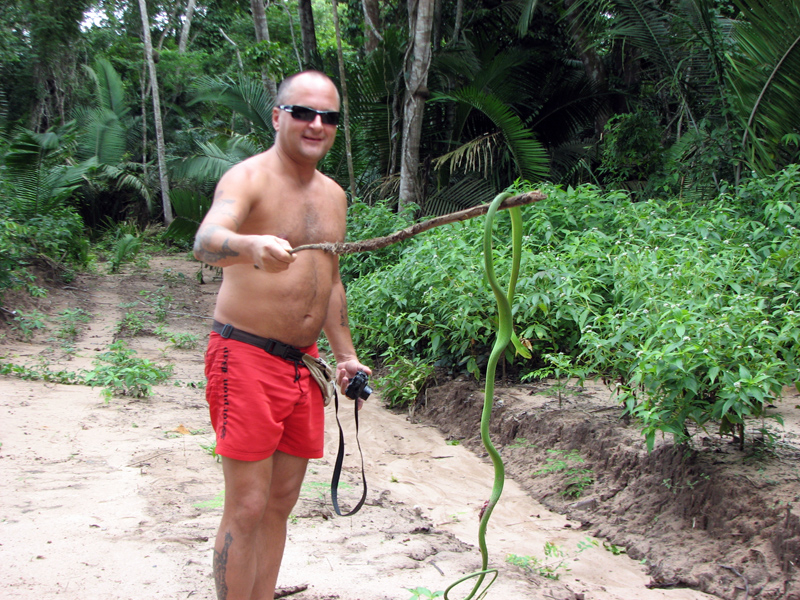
<point x="290" y="307"/>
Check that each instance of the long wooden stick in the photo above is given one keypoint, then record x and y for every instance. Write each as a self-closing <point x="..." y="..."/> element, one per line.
<point x="341" y="248"/>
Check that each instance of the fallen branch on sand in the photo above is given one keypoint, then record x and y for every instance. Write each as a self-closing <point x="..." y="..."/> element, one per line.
<point x="288" y="591"/>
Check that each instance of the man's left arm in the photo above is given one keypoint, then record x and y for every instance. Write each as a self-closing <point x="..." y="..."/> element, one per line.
<point x="337" y="330"/>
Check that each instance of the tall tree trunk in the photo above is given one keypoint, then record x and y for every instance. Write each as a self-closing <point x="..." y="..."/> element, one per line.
<point x="262" y="35"/>
<point x="458" y="20"/>
<point x="160" y="149"/>
<point x="418" y="61"/>
<point x="345" y="102"/>
<point x="300" y="61"/>
<point x="308" y="36"/>
<point x="187" y="25"/>
<point x="436" y="34"/>
<point x="372" y="24"/>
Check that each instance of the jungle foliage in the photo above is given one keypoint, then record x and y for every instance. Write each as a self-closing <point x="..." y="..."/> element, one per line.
<point x="659" y="128"/>
<point x="689" y="311"/>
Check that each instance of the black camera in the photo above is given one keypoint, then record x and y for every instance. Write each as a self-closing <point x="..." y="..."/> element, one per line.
<point x="358" y="388"/>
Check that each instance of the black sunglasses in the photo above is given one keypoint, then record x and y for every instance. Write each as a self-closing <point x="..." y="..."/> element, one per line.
<point x="303" y="113"/>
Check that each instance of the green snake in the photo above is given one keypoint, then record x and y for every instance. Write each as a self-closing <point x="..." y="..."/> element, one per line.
<point x="505" y="334"/>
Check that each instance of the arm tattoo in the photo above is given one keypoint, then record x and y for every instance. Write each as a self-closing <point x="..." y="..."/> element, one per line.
<point x="221" y="566"/>
<point x="209" y="256"/>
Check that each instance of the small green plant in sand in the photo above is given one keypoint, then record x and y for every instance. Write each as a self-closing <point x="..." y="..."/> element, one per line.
<point x="70" y="320"/>
<point x="181" y="341"/>
<point x="555" y="557"/>
<point x="423" y="593"/>
<point x="578" y="479"/>
<point x="159" y="301"/>
<point x="521" y="442"/>
<point x="121" y="373"/>
<point x="40" y="372"/>
<point x="125" y="250"/>
<point x="217" y="502"/>
<point x="133" y="323"/>
<point x="561" y="368"/>
<point x="26" y="323"/>
<point x="211" y="449"/>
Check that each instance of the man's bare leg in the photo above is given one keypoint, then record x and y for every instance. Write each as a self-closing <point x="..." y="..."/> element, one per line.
<point x="287" y="479"/>
<point x="259" y="497"/>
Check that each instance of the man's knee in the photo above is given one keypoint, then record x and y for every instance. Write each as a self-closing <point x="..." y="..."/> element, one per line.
<point x="282" y="500"/>
<point x="247" y="510"/>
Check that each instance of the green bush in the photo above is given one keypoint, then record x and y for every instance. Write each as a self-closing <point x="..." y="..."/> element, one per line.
<point x="689" y="310"/>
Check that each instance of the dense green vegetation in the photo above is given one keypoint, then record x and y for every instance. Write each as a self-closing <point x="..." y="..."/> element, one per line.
<point x="689" y="310"/>
<point x="665" y="133"/>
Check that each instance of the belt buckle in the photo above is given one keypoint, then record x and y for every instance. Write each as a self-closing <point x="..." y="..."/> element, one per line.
<point x="270" y="347"/>
<point x="227" y="331"/>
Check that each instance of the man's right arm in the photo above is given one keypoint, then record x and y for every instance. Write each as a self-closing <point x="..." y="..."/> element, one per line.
<point x="218" y="242"/>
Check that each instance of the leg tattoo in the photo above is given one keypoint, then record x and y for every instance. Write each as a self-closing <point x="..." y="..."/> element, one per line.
<point x="220" y="566"/>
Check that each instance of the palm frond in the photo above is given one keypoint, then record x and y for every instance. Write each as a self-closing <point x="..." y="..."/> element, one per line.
<point x="109" y="89"/>
<point x="247" y="98"/>
<point x="764" y="76"/>
<point x="463" y="193"/>
<point x="527" y="8"/>
<point x="214" y="159"/>
<point x="476" y="155"/>
<point x="529" y="156"/>
<point x="190" y="208"/>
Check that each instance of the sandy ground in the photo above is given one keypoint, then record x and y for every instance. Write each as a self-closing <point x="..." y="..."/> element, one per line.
<point x="119" y="499"/>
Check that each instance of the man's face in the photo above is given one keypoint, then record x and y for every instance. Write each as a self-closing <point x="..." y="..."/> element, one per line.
<point x="306" y="141"/>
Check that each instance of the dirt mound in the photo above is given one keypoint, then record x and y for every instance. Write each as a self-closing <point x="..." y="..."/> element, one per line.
<point x="710" y="518"/>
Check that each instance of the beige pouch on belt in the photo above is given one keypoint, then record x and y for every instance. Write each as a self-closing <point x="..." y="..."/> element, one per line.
<point x="323" y="374"/>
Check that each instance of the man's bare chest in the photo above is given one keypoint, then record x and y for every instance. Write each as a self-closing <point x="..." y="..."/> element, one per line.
<point x="308" y="223"/>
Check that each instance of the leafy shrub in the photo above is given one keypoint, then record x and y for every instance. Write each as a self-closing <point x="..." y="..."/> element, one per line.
<point x="121" y="373"/>
<point x="692" y="311"/>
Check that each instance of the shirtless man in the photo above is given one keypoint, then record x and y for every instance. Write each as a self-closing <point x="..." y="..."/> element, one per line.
<point x="266" y="410"/>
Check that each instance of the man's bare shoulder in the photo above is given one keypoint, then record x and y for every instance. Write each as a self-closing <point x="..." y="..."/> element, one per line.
<point x="255" y="167"/>
<point x="332" y="188"/>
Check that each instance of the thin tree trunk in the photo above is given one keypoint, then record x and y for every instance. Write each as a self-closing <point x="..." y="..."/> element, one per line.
<point x="187" y="25"/>
<point x="300" y="61"/>
<point x="160" y="149"/>
<point x="436" y="33"/>
<point x="420" y="14"/>
<point x="235" y="48"/>
<point x="168" y="25"/>
<point x="459" y="19"/>
<point x="144" y="120"/>
<point x="345" y="102"/>
<point x="372" y="20"/>
<point x="262" y="35"/>
<point x="308" y="37"/>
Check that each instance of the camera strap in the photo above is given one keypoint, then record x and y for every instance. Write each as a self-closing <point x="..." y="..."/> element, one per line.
<point x="337" y="469"/>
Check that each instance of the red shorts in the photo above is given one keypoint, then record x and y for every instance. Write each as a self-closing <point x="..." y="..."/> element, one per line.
<point x="261" y="403"/>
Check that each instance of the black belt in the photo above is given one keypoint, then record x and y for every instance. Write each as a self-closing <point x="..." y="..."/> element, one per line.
<point x="295" y="355"/>
<point x="268" y="345"/>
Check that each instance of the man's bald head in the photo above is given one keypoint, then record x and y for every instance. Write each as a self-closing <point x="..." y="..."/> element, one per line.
<point x="284" y="89"/>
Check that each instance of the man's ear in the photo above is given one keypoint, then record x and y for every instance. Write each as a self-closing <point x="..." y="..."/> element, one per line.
<point x="275" y="114"/>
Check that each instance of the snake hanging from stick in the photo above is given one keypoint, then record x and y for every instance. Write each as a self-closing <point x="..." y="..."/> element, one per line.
<point x="505" y="335"/>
